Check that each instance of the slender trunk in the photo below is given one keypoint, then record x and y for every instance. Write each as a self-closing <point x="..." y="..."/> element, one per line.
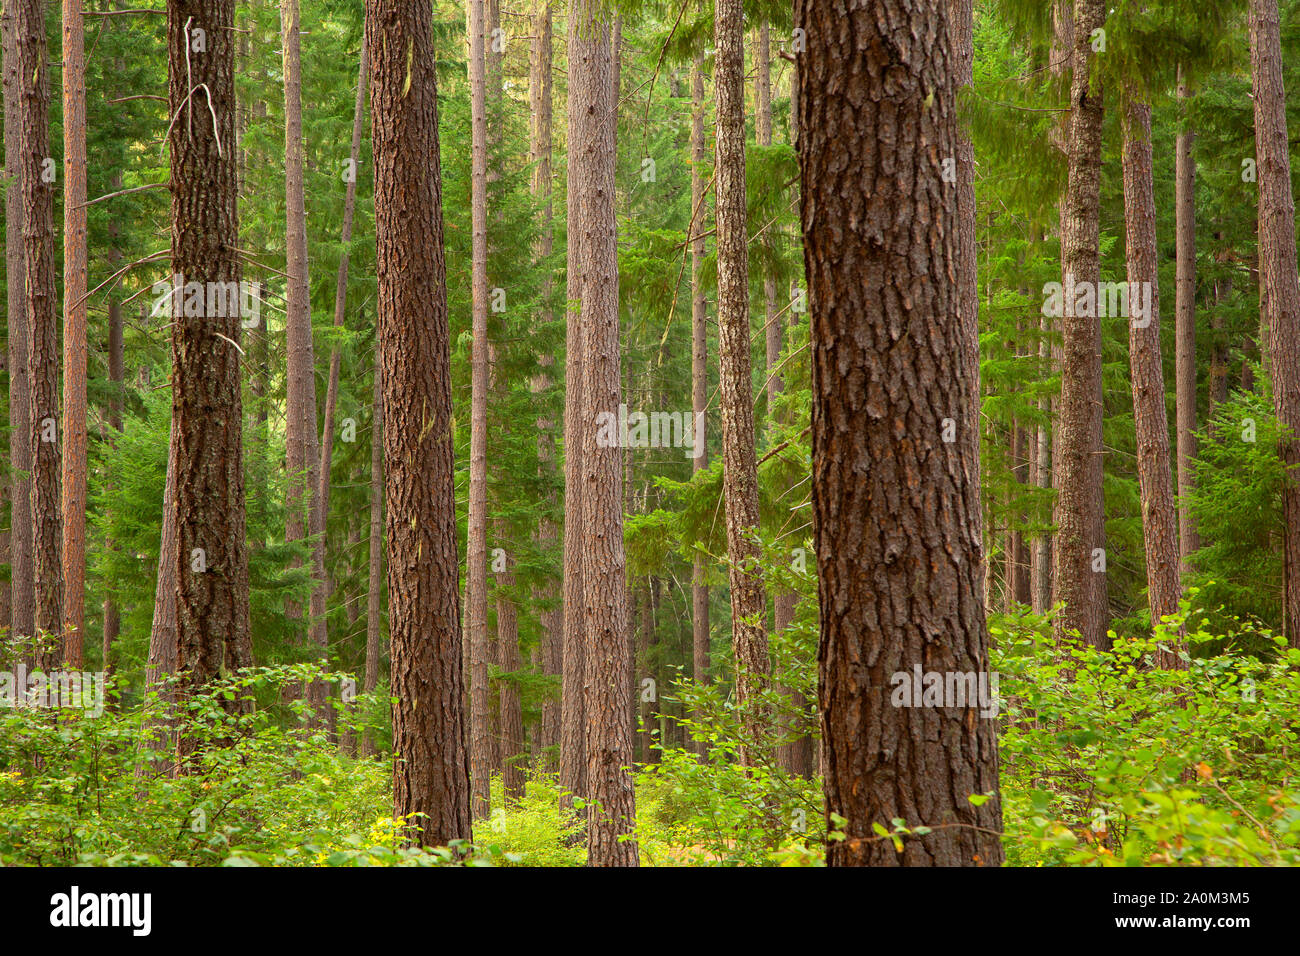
<point x="116" y="373"/>
<point x="899" y="578"/>
<point x="611" y="812"/>
<point x="74" y="335"/>
<point x="1080" y="577"/>
<point x="162" y="634"/>
<point x="1150" y="421"/>
<point x="340" y="307"/>
<point x="1279" y="281"/>
<point x="39" y="182"/>
<point x="740" y="478"/>
<point x="476" y="569"/>
<point x="510" y="662"/>
<point x="573" y="715"/>
<point x="551" y="618"/>
<point x="305" y="516"/>
<point x="374" y="583"/>
<point x="1185" y="330"/>
<point x="22" y="587"/>
<point x="699" y="374"/>
<point x="431" y="772"/>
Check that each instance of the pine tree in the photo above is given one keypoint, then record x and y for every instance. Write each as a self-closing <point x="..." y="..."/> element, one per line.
<point x="898" y="573"/>
<point x="1279" y="281"/>
<point x="431" y="769"/>
<point x="75" y="267"/>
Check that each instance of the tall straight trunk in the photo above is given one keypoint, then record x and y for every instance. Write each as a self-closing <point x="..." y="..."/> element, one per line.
<point x="1279" y="283"/>
<point x="1150" y="422"/>
<point x="1060" y="57"/>
<point x="611" y="812"/>
<point x="304" y="515"/>
<point x="38" y="186"/>
<point x="899" y="578"/>
<point x="539" y="101"/>
<point x="1185" y="329"/>
<point x="375" y="567"/>
<point x="162" y="633"/>
<point x="1040" y="585"/>
<point x="699" y="373"/>
<point x="740" y="473"/>
<point x="573" y="714"/>
<point x="476" y="568"/>
<point x="431" y="772"/>
<point x="509" y="661"/>
<point x="211" y="565"/>
<point x="340" y="303"/>
<point x="22" y="585"/>
<point x="116" y="374"/>
<point x="1080" y="582"/>
<point x="74" y="335"/>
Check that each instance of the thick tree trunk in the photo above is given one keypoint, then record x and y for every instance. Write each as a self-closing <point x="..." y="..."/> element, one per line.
<point x="740" y="477"/>
<point x="1185" y="330"/>
<point x="74" y="335"/>
<point x="304" y="515"/>
<point x="611" y="814"/>
<point x="699" y="373"/>
<point x="22" y="585"/>
<point x="374" y="583"/>
<point x="431" y="772"/>
<point x="1151" y="424"/>
<point x="476" y="568"/>
<point x="1079" y="576"/>
<point x="1279" y="281"/>
<point x="39" y="182"/>
<point x="899" y="575"/>
<point x="211" y="562"/>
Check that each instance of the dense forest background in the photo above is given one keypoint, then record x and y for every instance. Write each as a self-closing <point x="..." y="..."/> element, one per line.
<point x="1120" y="737"/>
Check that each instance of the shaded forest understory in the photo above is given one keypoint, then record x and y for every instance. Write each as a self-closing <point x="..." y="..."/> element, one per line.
<point x="617" y="433"/>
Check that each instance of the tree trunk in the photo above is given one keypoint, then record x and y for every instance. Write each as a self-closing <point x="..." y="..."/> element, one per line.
<point x="476" y="569"/>
<point x="162" y="634"/>
<point x="22" y="585"/>
<point x="39" y="182"/>
<point x="611" y="812"/>
<point x="899" y="576"/>
<point x="431" y="772"/>
<point x="376" y="563"/>
<point x="510" y="662"/>
<point x="1080" y="580"/>
<point x="740" y="476"/>
<point x="1279" y="282"/>
<point x="116" y="372"/>
<point x="1151" y="424"/>
<point x="551" y="619"/>
<point x="211" y="563"/>
<point x="304" y="515"/>
<point x="74" y="335"/>
<point x="1185" y="330"/>
<point x="699" y="374"/>
<point x="573" y="715"/>
<point x="340" y="307"/>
